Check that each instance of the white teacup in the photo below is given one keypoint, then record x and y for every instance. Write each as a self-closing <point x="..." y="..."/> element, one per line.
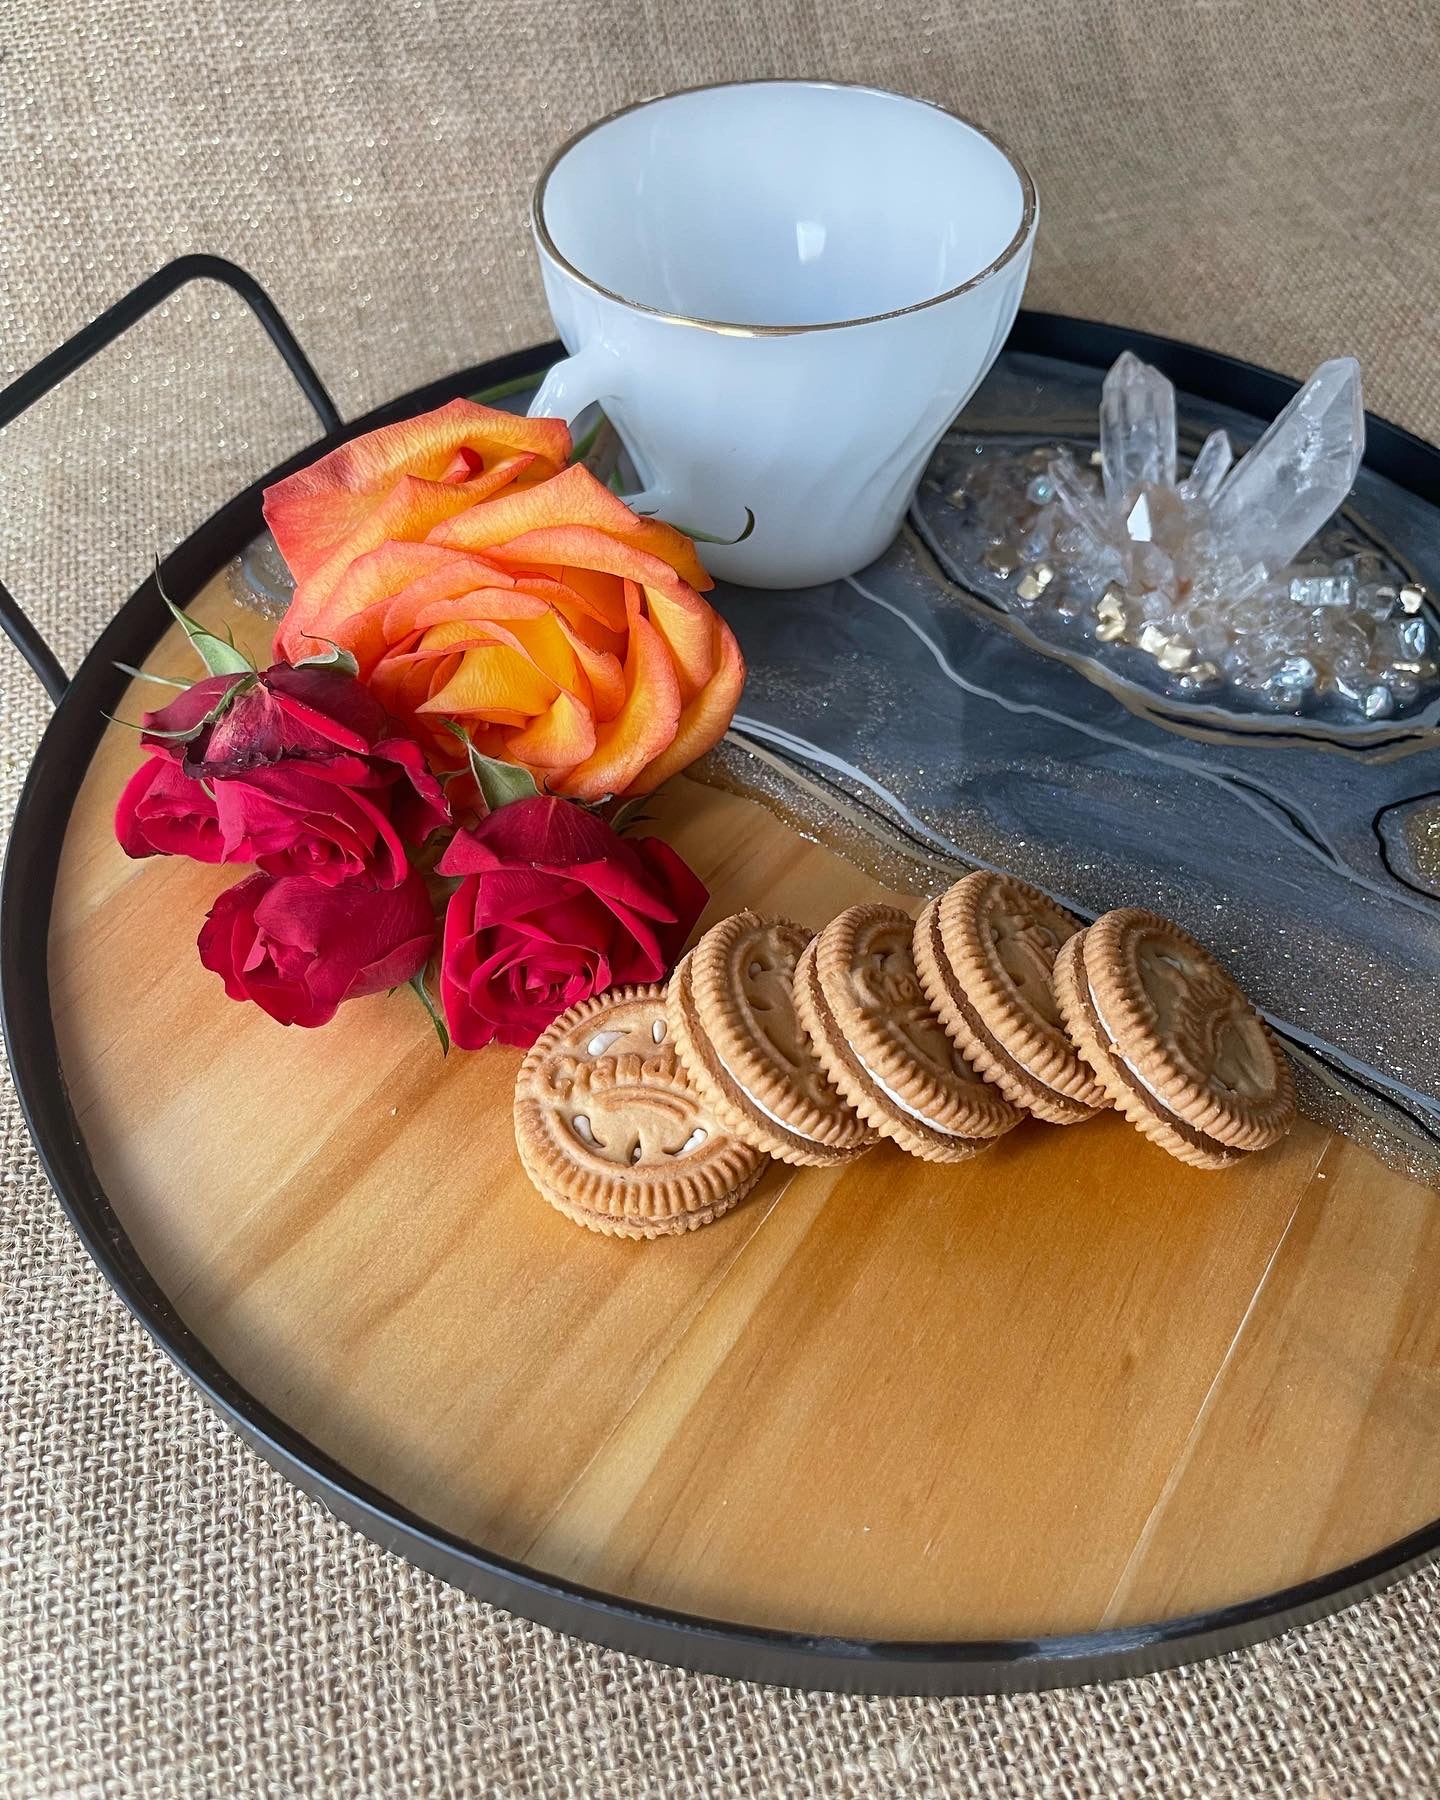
<point x="781" y="292"/>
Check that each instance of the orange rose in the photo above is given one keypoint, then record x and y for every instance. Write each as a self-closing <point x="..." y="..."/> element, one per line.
<point x="532" y="607"/>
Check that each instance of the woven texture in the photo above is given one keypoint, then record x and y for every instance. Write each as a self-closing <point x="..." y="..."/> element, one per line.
<point x="174" y="1619"/>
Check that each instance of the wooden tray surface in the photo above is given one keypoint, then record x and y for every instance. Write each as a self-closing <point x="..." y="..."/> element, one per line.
<point x="1069" y="1385"/>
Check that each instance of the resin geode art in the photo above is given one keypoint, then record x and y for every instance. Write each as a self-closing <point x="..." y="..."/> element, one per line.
<point x="1235" y="580"/>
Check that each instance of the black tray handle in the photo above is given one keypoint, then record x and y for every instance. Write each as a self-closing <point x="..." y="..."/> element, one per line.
<point x="75" y="352"/>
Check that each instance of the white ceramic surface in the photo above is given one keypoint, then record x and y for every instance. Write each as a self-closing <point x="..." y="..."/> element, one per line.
<point x="781" y="293"/>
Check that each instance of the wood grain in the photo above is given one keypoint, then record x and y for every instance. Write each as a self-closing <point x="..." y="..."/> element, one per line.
<point x="1069" y="1383"/>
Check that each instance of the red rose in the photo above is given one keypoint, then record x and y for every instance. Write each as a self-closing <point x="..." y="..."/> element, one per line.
<point x="162" y="812"/>
<point x="307" y="775"/>
<point x="298" y="948"/>
<point x="553" y="907"/>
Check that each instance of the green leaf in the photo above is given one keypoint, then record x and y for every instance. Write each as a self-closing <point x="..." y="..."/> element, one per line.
<point x="177" y="737"/>
<point x="499" y="782"/>
<point x="705" y="537"/>
<point x="629" y="813"/>
<point x="219" y="655"/>
<point x="191" y="732"/>
<point x="417" y="981"/>
<point x="507" y="390"/>
<point x="341" y="661"/>
<point x="145" y="675"/>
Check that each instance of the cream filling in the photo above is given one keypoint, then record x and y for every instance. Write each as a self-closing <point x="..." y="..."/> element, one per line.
<point x="904" y="1105"/>
<point x="1116" y="1051"/>
<point x="758" y="1103"/>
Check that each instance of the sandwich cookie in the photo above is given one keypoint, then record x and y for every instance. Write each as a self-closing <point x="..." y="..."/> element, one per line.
<point x="611" y="1131"/>
<point x="859" y="999"/>
<point x="985" y="951"/>
<point x="1176" y="1044"/>
<point x="731" y="1009"/>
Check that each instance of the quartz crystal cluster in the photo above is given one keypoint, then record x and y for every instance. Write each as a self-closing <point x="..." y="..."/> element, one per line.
<point x="1218" y="575"/>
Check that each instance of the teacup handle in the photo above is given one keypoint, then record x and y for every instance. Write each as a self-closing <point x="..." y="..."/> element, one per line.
<point x="587" y="379"/>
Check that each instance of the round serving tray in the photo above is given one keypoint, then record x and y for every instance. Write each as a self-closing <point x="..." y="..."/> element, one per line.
<point x="1066" y="1413"/>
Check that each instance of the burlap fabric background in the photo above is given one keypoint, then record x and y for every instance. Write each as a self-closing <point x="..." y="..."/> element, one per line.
<point x="1260" y="175"/>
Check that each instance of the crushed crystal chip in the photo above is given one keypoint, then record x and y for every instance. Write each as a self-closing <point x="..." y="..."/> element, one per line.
<point x="1297" y="671"/>
<point x="1379" y="702"/>
<point x="1322" y="590"/>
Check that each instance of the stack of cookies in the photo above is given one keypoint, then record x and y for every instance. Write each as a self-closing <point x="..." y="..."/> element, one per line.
<point x="650" y="1111"/>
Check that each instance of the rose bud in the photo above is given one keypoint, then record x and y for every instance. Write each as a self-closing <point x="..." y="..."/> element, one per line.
<point x="309" y="776"/>
<point x="552" y="907"/>
<point x="298" y="948"/>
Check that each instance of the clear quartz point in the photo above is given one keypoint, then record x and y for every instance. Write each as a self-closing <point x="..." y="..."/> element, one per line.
<point x="1250" y="583"/>
<point x="1137" y="429"/>
<point x="1209" y="469"/>
<point x="1283" y="490"/>
<point x="1224" y="580"/>
<point x="1237" y="578"/>
<point x="1079" y="500"/>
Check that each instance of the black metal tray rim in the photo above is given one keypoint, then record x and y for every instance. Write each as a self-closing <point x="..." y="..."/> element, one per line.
<point x="839" y="1664"/>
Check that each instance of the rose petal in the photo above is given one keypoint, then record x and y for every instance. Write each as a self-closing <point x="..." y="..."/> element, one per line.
<point x="542" y="830"/>
<point x="704" y="721"/>
<point x="407" y="513"/>
<point x="560" y="737"/>
<point x="495" y="682"/>
<point x="602" y="668"/>
<point x="588" y="599"/>
<point x="164" y="812"/>
<point x="399" y="589"/>
<point x="419" y="800"/>
<point x="643" y="727"/>
<point x="186" y="711"/>
<point x="685" y="893"/>
<point x="573" y="498"/>
<point x="314" y="510"/>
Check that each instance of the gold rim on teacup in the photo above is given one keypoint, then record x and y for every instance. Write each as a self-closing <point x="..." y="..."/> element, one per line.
<point x="725" y="328"/>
